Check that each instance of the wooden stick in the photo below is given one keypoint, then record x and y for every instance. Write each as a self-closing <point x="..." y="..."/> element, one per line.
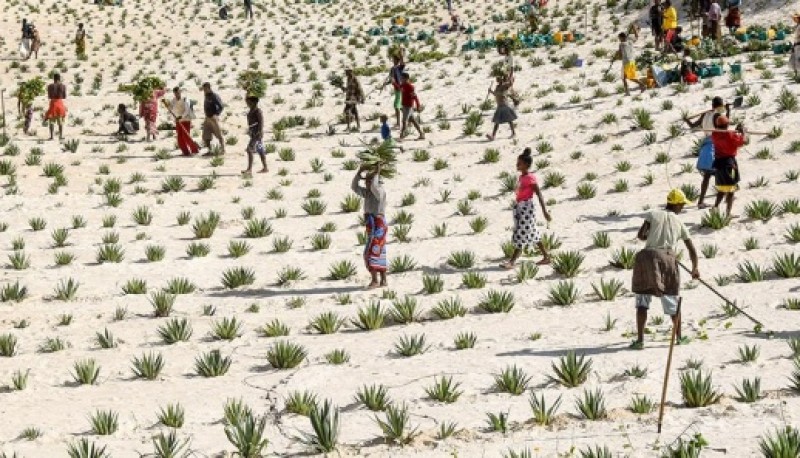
<point x="729" y="302"/>
<point x="5" y="121"/>
<point x="666" y="372"/>
<point x="746" y="132"/>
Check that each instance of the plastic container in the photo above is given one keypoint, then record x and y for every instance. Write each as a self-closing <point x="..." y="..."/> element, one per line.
<point x="558" y="38"/>
<point x="736" y="68"/>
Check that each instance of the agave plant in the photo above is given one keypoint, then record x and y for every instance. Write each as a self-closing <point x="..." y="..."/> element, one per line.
<point x="572" y="370"/>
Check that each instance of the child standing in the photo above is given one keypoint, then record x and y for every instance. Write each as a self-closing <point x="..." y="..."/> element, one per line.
<point x="525" y="232"/>
<point x="255" y="129"/>
<point x="726" y="146"/>
<point x="386" y="131"/>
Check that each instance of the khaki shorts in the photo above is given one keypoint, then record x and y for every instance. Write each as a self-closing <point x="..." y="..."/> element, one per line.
<point x="211" y="129"/>
<point x="668" y="303"/>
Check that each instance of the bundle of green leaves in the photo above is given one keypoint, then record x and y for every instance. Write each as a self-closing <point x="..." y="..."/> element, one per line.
<point x="142" y="89"/>
<point x="380" y="154"/>
<point x="253" y="82"/>
<point x="29" y="90"/>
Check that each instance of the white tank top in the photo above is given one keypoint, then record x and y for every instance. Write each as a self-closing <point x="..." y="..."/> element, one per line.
<point x="708" y="121"/>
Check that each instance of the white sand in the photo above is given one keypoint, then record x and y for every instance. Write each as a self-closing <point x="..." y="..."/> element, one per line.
<point x="61" y="411"/>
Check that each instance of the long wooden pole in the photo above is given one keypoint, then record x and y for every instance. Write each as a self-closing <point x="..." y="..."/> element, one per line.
<point x="3" y="100"/>
<point x="666" y="372"/>
<point x="729" y="302"/>
<point x="746" y="132"/>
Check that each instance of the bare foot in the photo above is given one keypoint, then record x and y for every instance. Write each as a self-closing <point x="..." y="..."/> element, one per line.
<point x="247" y="172"/>
<point x="543" y="262"/>
<point x="490" y="137"/>
<point x="264" y="170"/>
<point x="508" y="265"/>
<point x="373" y="285"/>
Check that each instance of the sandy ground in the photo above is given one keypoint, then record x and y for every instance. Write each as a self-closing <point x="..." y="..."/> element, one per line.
<point x="184" y="44"/>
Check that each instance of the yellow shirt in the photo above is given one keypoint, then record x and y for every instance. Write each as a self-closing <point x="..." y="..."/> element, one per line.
<point x="670" y="18"/>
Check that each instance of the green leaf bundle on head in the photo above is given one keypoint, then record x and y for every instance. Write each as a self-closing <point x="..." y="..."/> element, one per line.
<point x="29" y="90"/>
<point x="394" y="50"/>
<point x="253" y="82"/>
<point x="336" y="81"/>
<point x="380" y="154"/>
<point x="143" y="88"/>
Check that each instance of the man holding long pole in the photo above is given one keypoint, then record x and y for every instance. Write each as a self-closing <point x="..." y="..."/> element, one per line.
<point x="656" y="272"/>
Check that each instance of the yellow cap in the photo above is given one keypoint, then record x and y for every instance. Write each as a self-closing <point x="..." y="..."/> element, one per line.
<point x="677" y="197"/>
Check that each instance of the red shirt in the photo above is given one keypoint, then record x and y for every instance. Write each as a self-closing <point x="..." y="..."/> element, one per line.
<point x="408" y="95"/>
<point x="726" y="143"/>
<point x="527" y="184"/>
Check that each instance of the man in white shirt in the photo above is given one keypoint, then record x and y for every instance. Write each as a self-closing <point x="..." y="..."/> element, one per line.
<point x="182" y="111"/>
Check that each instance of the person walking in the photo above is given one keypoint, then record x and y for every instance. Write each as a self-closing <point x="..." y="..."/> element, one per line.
<point x="255" y="130"/>
<point x="212" y="108"/>
<point x="410" y="103"/>
<point x="705" y="160"/>
<point x="36" y="42"/>
<point x="395" y="79"/>
<point x="655" y="271"/>
<point x="503" y="113"/>
<point x="181" y="110"/>
<point x="627" y="54"/>
<point x="57" y="110"/>
<point x="656" y="23"/>
<point x="25" y="41"/>
<point x="526" y="234"/>
<point x="353" y="96"/>
<point x="248" y="9"/>
<point x="80" y="42"/>
<point x="148" y="110"/>
<point x="376" y="227"/>
<point x="726" y="168"/>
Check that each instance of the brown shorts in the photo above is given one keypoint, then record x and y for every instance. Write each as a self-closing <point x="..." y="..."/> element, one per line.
<point x="211" y="129"/>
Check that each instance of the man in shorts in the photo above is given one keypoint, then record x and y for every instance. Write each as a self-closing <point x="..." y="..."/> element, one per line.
<point x="255" y="130"/>
<point x="353" y="95"/>
<point x="410" y="103"/>
<point x="212" y="107"/>
<point x="705" y="158"/>
<point x="395" y="77"/>
<point x="628" y="56"/>
<point x="656" y="271"/>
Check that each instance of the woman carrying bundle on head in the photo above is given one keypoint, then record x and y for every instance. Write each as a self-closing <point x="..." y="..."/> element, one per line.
<point x="503" y="114"/>
<point x="374" y="220"/>
<point x="148" y="110"/>
<point x="526" y="234"/>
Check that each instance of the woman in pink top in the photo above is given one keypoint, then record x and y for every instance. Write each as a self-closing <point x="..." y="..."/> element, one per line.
<point x="525" y="232"/>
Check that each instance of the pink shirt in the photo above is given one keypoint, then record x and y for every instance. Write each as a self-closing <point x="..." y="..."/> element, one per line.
<point x="526" y="186"/>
